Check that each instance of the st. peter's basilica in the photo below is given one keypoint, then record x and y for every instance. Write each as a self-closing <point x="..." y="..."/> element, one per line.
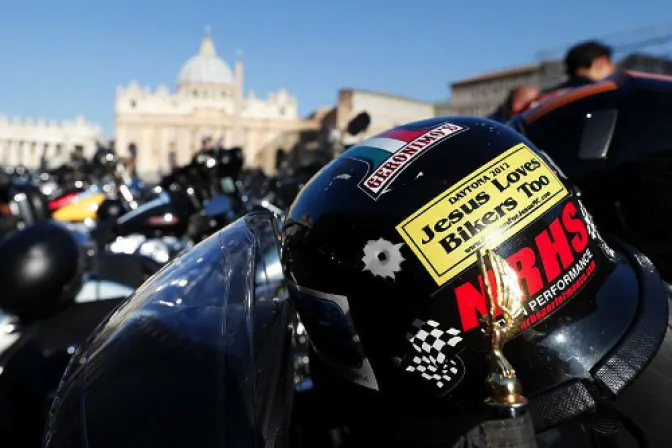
<point x="162" y="128"/>
<point x="166" y="128"/>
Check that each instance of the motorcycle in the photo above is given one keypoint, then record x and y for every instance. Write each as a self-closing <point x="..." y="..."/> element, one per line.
<point x="80" y="207"/>
<point x="212" y="331"/>
<point x="611" y="138"/>
<point x="191" y="203"/>
<point x="112" y="274"/>
<point x="34" y="351"/>
<point x="215" y="331"/>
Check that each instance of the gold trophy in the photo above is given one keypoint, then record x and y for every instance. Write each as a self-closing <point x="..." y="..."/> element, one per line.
<point x="506" y="391"/>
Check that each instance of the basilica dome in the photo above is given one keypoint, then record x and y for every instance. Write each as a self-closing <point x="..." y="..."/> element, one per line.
<point x="205" y="67"/>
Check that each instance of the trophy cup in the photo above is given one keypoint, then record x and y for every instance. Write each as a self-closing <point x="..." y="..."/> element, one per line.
<point x="506" y="398"/>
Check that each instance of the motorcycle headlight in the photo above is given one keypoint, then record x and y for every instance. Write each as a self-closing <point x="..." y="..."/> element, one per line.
<point x="156" y="250"/>
<point x="48" y="187"/>
<point x="127" y="244"/>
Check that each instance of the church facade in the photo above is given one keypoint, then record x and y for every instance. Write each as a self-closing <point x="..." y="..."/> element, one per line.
<point x="26" y="141"/>
<point x="164" y="128"/>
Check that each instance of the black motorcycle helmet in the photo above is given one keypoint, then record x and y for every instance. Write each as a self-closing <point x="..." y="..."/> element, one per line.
<point x="614" y="139"/>
<point x="379" y="250"/>
<point x="40" y="271"/>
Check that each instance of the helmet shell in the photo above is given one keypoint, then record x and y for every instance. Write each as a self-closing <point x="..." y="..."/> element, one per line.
<point x="380" y="249"/>
<point x="39" y="271"/>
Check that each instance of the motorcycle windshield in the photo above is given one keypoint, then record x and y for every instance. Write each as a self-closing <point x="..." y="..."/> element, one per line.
<point x="200" y="355"/>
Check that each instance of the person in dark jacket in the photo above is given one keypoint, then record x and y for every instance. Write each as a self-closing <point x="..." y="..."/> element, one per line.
<point x="585" y="63"/>
<point x="516" y="101"/>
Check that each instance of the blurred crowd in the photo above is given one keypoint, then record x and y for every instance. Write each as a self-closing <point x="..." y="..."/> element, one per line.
<point x="584" y="63"/>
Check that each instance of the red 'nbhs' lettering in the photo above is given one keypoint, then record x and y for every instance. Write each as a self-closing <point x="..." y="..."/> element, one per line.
<point x="554" y="251"/>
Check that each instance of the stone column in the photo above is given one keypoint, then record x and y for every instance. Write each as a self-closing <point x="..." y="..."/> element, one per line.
<point x="227" y="138"/>
<point x="16" y="152"/>
<point x="251" y="146"/>
<point x="60" y="153"/>
<point x="171" y="140"/>
<point x="194" y="143"/>
<point x="89" y="149"/>
<point x="160" y="148"/>
<point x="9" y="152"/>
<point x="20" y="153"/>
<point x="48" y="150"/>
<point x="124" y="137"/>
<point x="146" y="166"/>
<point x="43" y="154"/>
<point x="182" y="145"/>
<point x="67" y="148"/>
<point x="33" y="157"/>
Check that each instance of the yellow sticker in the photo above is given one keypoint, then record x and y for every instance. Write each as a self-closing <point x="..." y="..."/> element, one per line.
<point x="484" y="209"/>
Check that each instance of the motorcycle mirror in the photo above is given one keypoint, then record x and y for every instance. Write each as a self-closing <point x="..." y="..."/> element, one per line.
<point x="359" y="124"/>
<point x="598" y="131"/>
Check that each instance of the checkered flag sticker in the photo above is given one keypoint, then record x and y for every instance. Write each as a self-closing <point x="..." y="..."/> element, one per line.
<point x="590" y="224"/>
<point x="594" y="233"/>
<point x="435" y="357"/>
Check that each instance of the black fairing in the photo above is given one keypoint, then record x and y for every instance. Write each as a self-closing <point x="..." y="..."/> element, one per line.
<point x="199" y="356"/>
<point x="617" y="146"/>
<point x="110" y="209"/>
<point x="149" y="219"/>
<point x="126" y="269"/>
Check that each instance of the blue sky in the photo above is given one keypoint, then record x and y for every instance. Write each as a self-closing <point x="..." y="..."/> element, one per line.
<point x="63" y="58"/>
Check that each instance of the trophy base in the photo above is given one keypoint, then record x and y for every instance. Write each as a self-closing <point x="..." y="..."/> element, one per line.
<point x="509" y="407"/>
